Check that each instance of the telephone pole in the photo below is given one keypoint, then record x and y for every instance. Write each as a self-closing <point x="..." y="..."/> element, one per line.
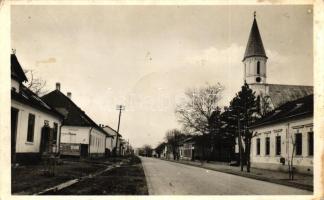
<point x="120" y="108"/>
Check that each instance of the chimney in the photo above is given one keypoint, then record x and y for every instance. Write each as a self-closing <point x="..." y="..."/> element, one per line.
<point x="58" y="86"/>
<point x="69" y="94"/>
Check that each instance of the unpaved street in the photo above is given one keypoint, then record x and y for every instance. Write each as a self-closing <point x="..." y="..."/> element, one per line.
<point x="167" y="178"/>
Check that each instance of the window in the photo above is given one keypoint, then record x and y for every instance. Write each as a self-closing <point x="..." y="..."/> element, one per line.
<point x="310" y="143"/>
<point x="258" y="146"/>
<point x="298" y="143"/>
<point x="258" y="67"/>
<point x="31" y="128"/>
<point x="278" y="145"/>
<point x="55" y="130"/>
<point x="267" y="146"/>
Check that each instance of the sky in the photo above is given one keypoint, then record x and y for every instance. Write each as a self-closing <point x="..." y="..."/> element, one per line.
<point x="145" y="57"/>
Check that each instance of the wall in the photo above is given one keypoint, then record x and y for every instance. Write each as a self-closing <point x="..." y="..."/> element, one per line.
<point x="250" y="72"/>
<point x="303" y="163"/>
<point x="22" y="146"/>
<point x="97" y="142"/>
<point x="75" y="135"/>
<point x="109" y="143"/>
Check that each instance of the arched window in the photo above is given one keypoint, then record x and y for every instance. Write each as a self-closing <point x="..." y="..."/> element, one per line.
<point x="258" y="68"/>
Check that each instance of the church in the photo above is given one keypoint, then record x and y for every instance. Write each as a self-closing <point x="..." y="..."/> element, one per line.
<point x="283" y="137"/>
<point x="255" y="74"/>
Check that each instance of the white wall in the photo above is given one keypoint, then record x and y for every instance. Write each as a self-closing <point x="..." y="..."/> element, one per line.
<point x="250" y="72"/>
<point x="22" y="146"/>
<point x="75" y="134"/>
<point x="97" y="143"/>
<point x="109" y="143"/>
<point x="285" y="130"/>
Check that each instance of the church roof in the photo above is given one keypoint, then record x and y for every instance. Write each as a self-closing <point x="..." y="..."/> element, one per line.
<point x="280" y="94"/>
<point x="301" y="107"/>
<point x="254" y="46"/>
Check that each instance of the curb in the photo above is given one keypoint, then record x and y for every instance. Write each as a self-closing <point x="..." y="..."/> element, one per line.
<point x="295" y="185"/>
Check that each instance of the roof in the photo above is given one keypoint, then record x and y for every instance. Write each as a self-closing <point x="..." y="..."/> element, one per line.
<point x="280" y="94"/>
<point x="74" y="116"/>
<point x="26" y="96"/>
<point x="254" y="45"/>
<point x="293" y="109"/>
<point x="17" y="72"/>
<point x="108" y="128"/>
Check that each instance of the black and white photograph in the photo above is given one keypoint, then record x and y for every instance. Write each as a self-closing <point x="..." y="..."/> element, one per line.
<point x="162" y="99"/>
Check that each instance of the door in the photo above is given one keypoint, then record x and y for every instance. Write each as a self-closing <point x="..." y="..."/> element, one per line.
<point x="14" y="123"/>
<point x="84" y="150"/>
<point x="45" y="140"/>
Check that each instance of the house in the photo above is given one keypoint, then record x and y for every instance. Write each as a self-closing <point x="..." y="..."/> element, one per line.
<point x="285" y="135"/>
<point x="35" y="125"/>
<point x="110" y="142"/>
<point x="114" y="144"/>
<point x="187" y="149"/>
<point x="80" y="135"/>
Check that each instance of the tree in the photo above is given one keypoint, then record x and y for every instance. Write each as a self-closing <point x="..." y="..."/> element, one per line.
<point x="173" y="138"/>
<point x="35" y="84"/>
<point x="197" y="111"/>
<point x="147" y="150"/>
<point x="245" y="106"/>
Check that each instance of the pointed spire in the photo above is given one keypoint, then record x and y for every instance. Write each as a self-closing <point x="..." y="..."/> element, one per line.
<point x="254" y="46"/>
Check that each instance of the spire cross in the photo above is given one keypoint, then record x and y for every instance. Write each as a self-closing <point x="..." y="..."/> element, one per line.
<point x="254" y="14"/>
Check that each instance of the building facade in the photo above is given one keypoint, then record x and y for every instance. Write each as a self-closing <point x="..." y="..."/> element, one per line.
<point x="285" y="136"/>
<point x="35" y="126"/>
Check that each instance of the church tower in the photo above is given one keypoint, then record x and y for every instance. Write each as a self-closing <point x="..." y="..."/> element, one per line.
<point x="255" y="61"/>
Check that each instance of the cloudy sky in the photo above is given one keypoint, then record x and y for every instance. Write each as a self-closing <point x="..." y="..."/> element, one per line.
<point x="144" y="57"/>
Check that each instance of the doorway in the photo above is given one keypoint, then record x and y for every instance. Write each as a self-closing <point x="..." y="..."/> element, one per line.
<point x="14" y="123"/>
<point x="45" y="140"/>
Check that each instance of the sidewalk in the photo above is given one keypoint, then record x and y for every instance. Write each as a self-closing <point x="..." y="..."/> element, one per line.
<point x="300" y="181"/>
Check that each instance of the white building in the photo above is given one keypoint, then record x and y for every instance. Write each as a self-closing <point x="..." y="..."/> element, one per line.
<point x="35" y="126"/>
<point x="110" y="141"/>
<point x="285" y="135"/>
<point x="80" y="136"/>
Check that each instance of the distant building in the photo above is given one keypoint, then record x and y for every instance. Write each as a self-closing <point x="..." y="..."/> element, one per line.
<point x="285" y="135"/>
<point x="35" y="125"/>
<point x="80" y="135"/>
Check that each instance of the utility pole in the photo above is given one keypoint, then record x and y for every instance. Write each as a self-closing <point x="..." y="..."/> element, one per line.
<point x="120" y="108"/>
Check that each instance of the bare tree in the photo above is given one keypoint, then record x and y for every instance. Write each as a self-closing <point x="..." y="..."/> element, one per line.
<point x="35" y="84"/>
<point x="196" y="112"/>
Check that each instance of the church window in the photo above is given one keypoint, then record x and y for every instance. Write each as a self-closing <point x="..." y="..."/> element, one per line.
<point x="258" y="67"/>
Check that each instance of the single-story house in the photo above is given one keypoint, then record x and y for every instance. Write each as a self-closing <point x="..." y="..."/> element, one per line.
<point x="35" y="125"/>
<point x="110" y="141"/>
<point x="285" y="135"/>
<point x="80" y="135"/>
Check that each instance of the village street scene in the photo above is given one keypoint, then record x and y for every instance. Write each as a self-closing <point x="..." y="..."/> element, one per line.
<point x="162" y="100"/>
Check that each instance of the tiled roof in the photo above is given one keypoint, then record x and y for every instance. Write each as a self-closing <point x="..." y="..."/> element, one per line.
<point x="292" y="109"/>
<point x="17" y="72"/>
<point x="254" y="45"/>
<point x="28" y="97"/>
<point x="74" y="116"/>
<point x="280" y="94"/>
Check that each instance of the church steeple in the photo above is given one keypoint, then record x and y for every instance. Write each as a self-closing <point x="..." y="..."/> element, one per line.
<point x="255" y="58"/>
<point x="254" y="46"/>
